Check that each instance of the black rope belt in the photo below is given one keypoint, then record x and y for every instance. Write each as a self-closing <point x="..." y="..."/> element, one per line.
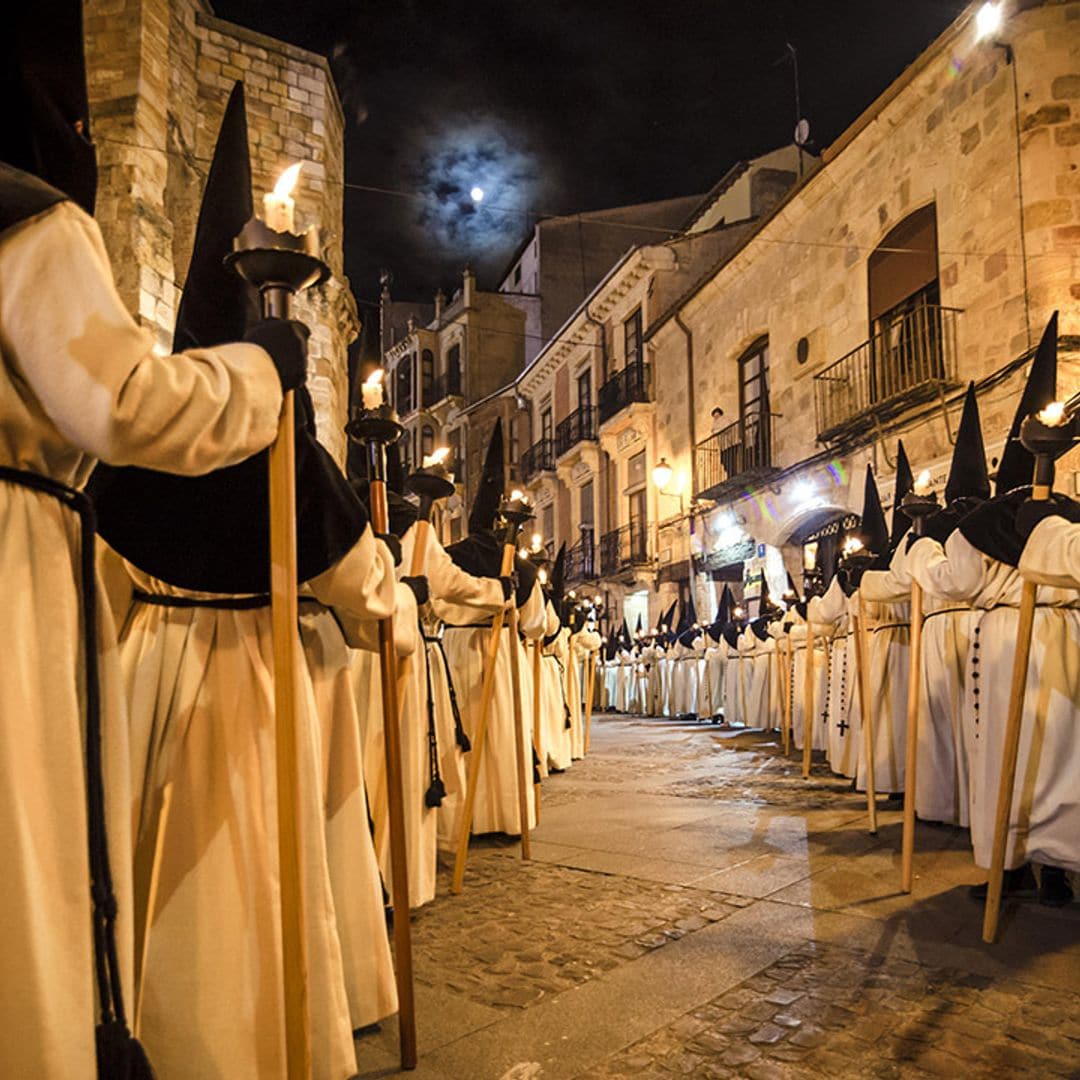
<point x="221" y="603"/>
<point x="945" y="611"/>
<point x="469" y="626"/>
<point x="459" y="729"/>
<point x="106" y="966"/>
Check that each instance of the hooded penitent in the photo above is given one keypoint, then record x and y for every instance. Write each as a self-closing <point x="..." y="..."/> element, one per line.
<point x="873" y="531"/>
<point x="904" y="483"/>
<point x="211" y="533"/>
<point x="557" y="589"/>
<point x="723" y="614"/>
<point x="480" y="553"/>
<point x="45" y="122"/>
<point x="688" y="630"/>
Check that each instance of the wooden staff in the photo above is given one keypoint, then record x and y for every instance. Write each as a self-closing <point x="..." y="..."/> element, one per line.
<point x="917" y="508"/>
<point x="399" y="870"/>
<point x="862" y="675"/>
<point x="787" y="681"/>
<point x="487" y="691"/>
<point x="590" y="692"/>
<point x="808" y="703"/>
<point x="1036" y="437"/>
<point x="519" y="733"/>
<point x="537" y="741"/>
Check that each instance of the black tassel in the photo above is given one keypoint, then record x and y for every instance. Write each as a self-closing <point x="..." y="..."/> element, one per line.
<point x="120" y="1056"/>
<point x="462" y="739"/>
<point x="435" y="793"/>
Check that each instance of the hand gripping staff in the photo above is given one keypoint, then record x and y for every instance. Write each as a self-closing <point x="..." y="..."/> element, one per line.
<point x="1046" y="441"/>
<point x="375" y="429"/>
<point x="279" y="265"/>
<point x="514" y="513"/>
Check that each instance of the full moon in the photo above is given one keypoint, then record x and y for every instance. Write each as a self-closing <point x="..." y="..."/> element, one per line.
<point x="477" y="194"/>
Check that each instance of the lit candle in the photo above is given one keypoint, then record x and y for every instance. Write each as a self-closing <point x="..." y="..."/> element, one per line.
<point x="542" y="575"/>
<point x="279" y="205"/>
<point x="435" y="460"/>
<point x="372" y="390"/>
<point x="852" y="545"/>
<point x="518" y="496"/>
<point x="738" y="613"/>
<point x="1054" y="414"/>
<point x="922" y="486"/>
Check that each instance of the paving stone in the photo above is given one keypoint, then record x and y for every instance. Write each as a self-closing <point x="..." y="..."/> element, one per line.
<point x="740" y="1055"/>
<point x="783" y="997"/>
<point x="768" y="1034"/>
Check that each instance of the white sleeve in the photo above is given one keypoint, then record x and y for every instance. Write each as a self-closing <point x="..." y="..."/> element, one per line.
<point x="956" y="571"/>
<point x="93" y="371"/>
<point x="532" y="614"/>
<point x="361" y="584"/>
<point x="1052" y="554"/>
<point x="452" y="584"/>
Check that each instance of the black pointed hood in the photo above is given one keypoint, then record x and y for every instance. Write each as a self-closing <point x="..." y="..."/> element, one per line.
<point x="766" y="608"/>
<point x="211" y="533"/>
<point x="1017" y="462"/>
<point x="968" y="478"/>
<point x="490" y="490"/>
<point x="904" y="483"/>
<point x="45" y="122"/>
<point x="723" y="611"/>
<point x="873" y="531"/>
<point x="557" y="581"/>
<point x="791" y="586"/>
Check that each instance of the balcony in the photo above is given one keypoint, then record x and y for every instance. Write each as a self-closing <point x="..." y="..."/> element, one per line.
<point x="624" y="548"/>
<point x="581" y="559"/>
<point x="448" y="384"/>
<point x="911" y="361"/>
<point x="631" y="384"/>
<point x="734" y="457"/>
<point x="577" y="427"/>
<point x="540" y="457"/>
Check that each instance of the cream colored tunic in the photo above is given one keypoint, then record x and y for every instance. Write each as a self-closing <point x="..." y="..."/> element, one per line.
<point x="79" y="381"/>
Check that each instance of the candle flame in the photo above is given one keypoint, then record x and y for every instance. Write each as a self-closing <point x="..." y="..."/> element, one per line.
<point x="435" y="459"/>
<point x="542" y="575"/>
<point x="287" y="181"/>
<point x="738" y="613"/>
<point x="1054" y="414"/>
<point x="852" y="544"/>
<point x="375" y="378"/>
<point x="517" y="495"/>
<point x="922" y="484"/>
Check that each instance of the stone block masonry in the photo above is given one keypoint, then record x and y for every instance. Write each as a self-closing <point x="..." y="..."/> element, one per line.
<point x="160" y="73"/>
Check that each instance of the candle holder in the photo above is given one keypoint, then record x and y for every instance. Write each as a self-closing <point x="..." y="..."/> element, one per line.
<point x="1047" y="442"/>
<point x="515" y="512"/>
<point x="918" y="508"/>
<point x="277" y="264"/>
<point x="431" y="484"/>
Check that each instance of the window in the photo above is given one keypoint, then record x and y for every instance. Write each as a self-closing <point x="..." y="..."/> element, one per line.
<point x="453" y="440"/>
<point x="427" y="441"/>
<point x="515" y="439"/>
<point x="632" y="339"/>
<point x="638" y="506"/>
<point x="548" y="520"/>
<point x="904" y="263"/>
<point x="584" y="390"/>
<point x="754" y="409"/>
<point x="403" y="386"/>
<point x="635" y="470"/>
<point x="427" y="377"/>
<point x="546" y="425"/>
<point x="453" y="370"/>
<point x="587" y="509"/>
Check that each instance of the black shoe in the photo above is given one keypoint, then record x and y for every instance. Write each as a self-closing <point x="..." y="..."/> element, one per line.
<point x="1054" y="887"/>
<point x="1020" y="884"/>
<point x="895" y="801"/>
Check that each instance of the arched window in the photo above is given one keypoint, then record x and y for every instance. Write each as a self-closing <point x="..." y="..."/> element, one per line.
<point x="427" y="441"/>
<point x="427" y="377"/>
<point x="404" y="385"/>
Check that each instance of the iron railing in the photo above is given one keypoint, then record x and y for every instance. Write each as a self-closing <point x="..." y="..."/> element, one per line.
<point x="577" y="427"/>
<point x="911" y="360"/>
<point x="540" y="457"/>
<point x="733" y="454"/>
<point x="624" y="547"/>
<point x="581" y="559"/>
<point x="631" y="384"/>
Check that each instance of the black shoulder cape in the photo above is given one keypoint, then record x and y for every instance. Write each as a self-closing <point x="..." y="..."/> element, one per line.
<point x="23" y="196"/>
<point x="992" y="529"/>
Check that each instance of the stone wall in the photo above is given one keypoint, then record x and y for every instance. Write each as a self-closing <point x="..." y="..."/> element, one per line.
<point x="160" y="73"/>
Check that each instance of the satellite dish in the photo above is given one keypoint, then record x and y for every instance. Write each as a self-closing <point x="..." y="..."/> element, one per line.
<point x="802" y="132"/>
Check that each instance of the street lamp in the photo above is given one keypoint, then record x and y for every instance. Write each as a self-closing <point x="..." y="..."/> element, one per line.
<point x="987" y="21"/>
<point x="662" y="474"/>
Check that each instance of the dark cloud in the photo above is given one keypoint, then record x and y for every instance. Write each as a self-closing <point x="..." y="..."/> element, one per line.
<point x="555" y="107"/>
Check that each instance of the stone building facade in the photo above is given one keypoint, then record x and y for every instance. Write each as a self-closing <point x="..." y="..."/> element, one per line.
<point x="160" y="72"/>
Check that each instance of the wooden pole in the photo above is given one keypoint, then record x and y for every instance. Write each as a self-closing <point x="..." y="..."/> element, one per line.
<point x="911" y="751"/>
<point x="519" y="733"/>
<point x="399" y="870"/>
<point x="862" y="674"/>
<point x="1010" y="751"/>
<point x="788" y="689"/>
<point x="537" y="740"/>
<point x="808" y="702"/>
<point x="590" y="693"/>
<point x="479" y="736"/>
<point x="285" y="638"/>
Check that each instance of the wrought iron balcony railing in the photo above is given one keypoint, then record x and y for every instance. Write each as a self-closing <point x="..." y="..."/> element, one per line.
<point x="540" y="457"/>
<point x="733" y="456"/>
<point x="910" y="361"/>
<point x="631" y="384"/>
<point x="624" y="547"/>
<point x="577" y="427"/>
<point x="448" y="384"/>
<point x="581" y="559"/>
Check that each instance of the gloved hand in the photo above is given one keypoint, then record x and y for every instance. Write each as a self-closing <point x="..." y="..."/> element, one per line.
<point x="509" y="584"/>
<point x="1031" y="513"/>
<point x="394" y="544"/>
<point x="419" y="586"/>
<point x="286" y="342"/>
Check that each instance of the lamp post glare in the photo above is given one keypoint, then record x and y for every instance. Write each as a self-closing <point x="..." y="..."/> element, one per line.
<point x="662" y="474"/>
<point x="987" y="21"/>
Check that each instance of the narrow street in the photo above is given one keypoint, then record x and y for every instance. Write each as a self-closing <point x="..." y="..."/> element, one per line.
<point x="694" y="908"/>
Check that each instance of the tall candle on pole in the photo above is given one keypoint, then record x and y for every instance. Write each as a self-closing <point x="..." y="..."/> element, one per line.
<point x="279" y="263"/>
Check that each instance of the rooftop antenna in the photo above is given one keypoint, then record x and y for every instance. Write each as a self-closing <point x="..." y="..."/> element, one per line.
<point x="802" y="125"/>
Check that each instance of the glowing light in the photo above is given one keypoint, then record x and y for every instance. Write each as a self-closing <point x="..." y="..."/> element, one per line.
<point x="542" y="575"/>
<point x="803" y="492"/>
<point x="662" y="473"/>
<point x="922" y="486"/>
<point x="1053" y="415"/>
<point x="372" y="389"/>
<point x="537" y="541"/>
<point x="987" y="21"/>
<point x="436" y="458"/>
<point x="477" y="194"/>
<point x="278" y="205"/>
<point x="738" y="613"/>
<point x="598" y="600"/>
<point x="852" y="545"/>
<point x="518" y="496"/>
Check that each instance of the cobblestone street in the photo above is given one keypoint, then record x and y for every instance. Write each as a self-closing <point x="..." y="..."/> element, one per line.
<point x="695" y="908"/>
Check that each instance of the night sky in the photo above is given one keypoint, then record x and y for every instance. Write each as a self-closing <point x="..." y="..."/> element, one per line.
<point x="553" y="106"/>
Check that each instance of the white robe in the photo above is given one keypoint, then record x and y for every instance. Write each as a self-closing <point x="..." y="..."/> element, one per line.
<point x="202" y="708"/>
<point x="555" y="738"/>
<point x="1052" y="554"/>
<point x="829" y="615"/>
<point x="496" y="807"/>
<point x="818" y="729"/>
<point x="79" y="381"/>
<point x="1044" y="822"/>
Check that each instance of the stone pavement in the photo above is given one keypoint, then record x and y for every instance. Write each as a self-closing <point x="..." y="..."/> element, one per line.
<point x="695" y="908"/>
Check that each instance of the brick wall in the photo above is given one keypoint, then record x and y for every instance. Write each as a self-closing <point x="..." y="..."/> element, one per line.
<point x="160" y="73"/>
